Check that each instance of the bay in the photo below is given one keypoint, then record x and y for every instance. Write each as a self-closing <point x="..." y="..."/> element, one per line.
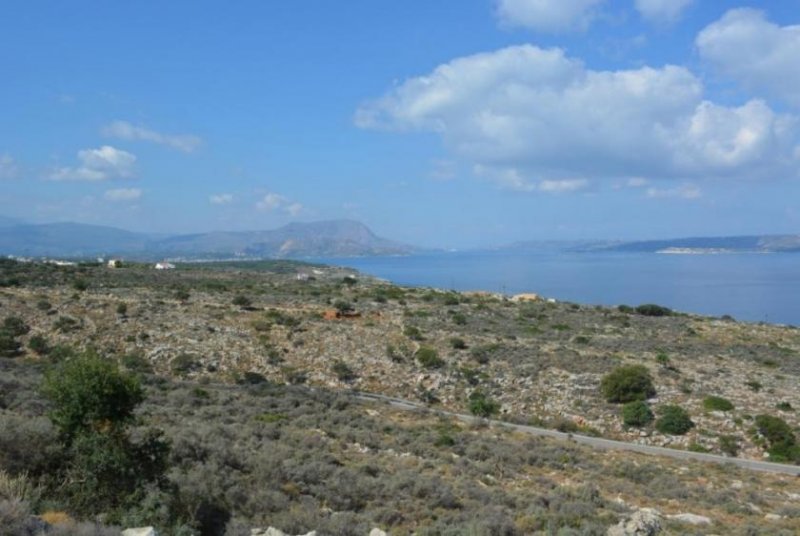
<point x="748" y="286"/>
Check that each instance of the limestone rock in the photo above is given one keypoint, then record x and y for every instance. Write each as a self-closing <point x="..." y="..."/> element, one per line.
<point x="377" y="532"/>
<point x="692" y="519"/>
<point x="140" y="531"/>
<point x="643" y="522"/>
<point x="272" y="531"/>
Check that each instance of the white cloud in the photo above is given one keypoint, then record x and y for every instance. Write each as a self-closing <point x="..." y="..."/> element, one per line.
<point x="662" y="11"/>
<point x="270" y="202"/>
<point x="123" y="194"/>
<point x="126" y="131"/>
<point x="636" y="182"/>
<point x="763" y="56"/>
<point x="523" y="115"/>
<point x="684" y="191"/>
<point x="220" y="199"/>
<point x="548" y="15"/>
<point x="99" y="164"/>
<point x="294" y="209"/>
<point x="563" y="186"/>
<point x="8" y="168"/>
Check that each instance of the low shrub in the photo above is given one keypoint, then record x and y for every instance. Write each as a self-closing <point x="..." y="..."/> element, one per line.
<point x="637" y="414"/>
<point x="429" y="358"/>
<point x="717" y="403"/>
<point x="673" y="420"/>
<point x="481" y="405"/>
<point x="627" y="383"/>
<point x="651" y="309"/>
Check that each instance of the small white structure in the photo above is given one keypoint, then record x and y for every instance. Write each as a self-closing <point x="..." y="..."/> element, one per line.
<point x="302" y="277"/>
<point x="115" y="263"/>
<point x="164" y="266"/>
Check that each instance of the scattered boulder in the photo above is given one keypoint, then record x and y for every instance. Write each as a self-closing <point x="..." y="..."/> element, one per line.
<point x="272" y="531"/>
<point x="643" y="522"/>
<point x="140" y="531"/>
<point x="377" y="532"/>
<point x="691" y="519"/>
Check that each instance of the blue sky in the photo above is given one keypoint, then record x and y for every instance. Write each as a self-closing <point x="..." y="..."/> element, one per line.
<point x="440" y="123"/>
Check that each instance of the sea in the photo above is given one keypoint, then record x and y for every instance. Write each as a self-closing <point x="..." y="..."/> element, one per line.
<point x="753" y="287"/>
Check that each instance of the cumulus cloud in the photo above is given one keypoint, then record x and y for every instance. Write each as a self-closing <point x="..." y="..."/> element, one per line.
<point x="8" y="168"/>
<point x="99" y="164"/>
<point x="123" y="194"/>
<point x="272" y="202"/>
<point x="523" y="115"/>
<point x="220" y="199"/>
<point x="126" y="131"/>
<point x="662" y="11"/>
<point x="683" y="191"/>
<point x="294" y="209"/>
<point x="763" y="56"/>
<point x="548" y="15"/>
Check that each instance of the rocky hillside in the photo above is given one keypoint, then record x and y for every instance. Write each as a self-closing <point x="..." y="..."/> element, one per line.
<point x="319" y="333"/>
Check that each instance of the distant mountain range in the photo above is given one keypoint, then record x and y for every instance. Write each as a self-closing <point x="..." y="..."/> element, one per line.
<point x="338" y="238"/>
<point x="720" y="244"/>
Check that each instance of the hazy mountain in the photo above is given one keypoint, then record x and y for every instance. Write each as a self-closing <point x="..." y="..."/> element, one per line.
<point x="339" y="238"/>
<point x="69" y="239"/>
<point x="761" y="244"/>
<point x="765" y="244"/>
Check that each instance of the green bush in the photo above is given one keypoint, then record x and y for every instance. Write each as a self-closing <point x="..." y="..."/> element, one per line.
<point x="39" y="344"/>
<point x="481" y="405"/>
<point x="627" y="383"/>
<point x="637" y="414"/>
<point x="673" y="420"/>
<point x="9" y="345"/>
<point x="240" y="300"/>
<point x="458" y="343"/>
<point x="88" y="393"/>
<point x="122" y="309"/>
<point x="14" y="326"/>
<point x="429" y="358"/>
<point x="651" y="309"/>
<point x="717" y="403"/>
<point x="782" y="442"/>
<point x="413" y="333"/>
<point x="343" y="372"/>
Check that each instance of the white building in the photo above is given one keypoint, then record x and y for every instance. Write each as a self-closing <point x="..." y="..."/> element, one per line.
<point x="164" y="266"/>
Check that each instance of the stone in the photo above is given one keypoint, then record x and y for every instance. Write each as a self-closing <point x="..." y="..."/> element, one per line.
<point x="773" y="517"/>
<point x="643" y="522"/>
<point x="377" y="532"/>
<point x="692" y="519"/>
<point x="272" y="531"/>
<point x="140" y="531"/>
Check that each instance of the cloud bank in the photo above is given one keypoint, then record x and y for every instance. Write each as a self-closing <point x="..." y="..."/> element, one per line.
<point x="524" y="115"/>
<point x="551" y="16"/>
<point x="99" y="164"/>
<point x="126" y="131"/>
<point x="744" y="46"/>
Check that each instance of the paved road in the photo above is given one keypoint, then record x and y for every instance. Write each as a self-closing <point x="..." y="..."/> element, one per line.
<point x="596" y="442"/>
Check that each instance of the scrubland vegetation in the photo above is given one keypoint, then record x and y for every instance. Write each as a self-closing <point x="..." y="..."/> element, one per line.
<point x="220" y="398"/>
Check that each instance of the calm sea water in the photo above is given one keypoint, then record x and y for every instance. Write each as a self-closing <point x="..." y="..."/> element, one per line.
<point x="752" y="287"/>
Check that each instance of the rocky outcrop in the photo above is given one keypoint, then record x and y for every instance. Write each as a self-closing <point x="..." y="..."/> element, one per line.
<point x="691" y="519"/>
<point x="140" y="531"/>
<point x="643" y="522"/>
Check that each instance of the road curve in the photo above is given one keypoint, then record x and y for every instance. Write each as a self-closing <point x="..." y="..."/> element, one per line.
<point x="596" y="442"/>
